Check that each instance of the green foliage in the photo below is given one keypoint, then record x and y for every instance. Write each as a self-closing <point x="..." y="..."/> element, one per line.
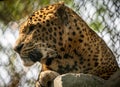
<point x="44" y="2"/>
<point x="97" y="24"/>
<point x="14" y="10"/>
<point x="101" y="10"/>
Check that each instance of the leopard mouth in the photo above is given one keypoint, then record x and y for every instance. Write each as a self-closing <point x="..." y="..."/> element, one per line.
<point x="35" y="55"/>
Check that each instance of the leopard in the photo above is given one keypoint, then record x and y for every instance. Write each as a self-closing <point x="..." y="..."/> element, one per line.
<point x="58" y="38"/>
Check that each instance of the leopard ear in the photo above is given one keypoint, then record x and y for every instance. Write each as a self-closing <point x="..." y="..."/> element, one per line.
<point x="61" y="12"/>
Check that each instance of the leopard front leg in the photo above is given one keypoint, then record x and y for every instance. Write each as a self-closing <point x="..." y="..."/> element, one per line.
<point x="45" y="77"/>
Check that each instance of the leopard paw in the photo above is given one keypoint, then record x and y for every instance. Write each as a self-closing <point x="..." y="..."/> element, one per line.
<point x="45" y="78"/>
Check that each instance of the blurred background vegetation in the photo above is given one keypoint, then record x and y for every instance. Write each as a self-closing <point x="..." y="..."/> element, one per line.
<point x="103" y="16"/>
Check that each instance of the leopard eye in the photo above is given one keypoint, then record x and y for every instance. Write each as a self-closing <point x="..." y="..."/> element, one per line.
<point x="31" y="28"/>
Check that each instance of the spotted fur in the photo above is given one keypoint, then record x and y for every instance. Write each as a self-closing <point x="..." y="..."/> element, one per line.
<point x="61" y="40"/>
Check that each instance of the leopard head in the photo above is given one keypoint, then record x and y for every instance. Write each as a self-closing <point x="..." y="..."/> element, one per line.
<point x="36" y="41"/>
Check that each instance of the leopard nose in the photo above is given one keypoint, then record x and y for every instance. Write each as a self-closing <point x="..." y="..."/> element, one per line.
<point x="18" y="48"/>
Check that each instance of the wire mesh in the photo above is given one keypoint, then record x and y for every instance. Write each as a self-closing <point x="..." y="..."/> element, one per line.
<point x="103" y="16"/>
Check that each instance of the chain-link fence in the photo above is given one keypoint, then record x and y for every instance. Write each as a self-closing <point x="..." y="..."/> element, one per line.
<point x="103" y="16"/>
